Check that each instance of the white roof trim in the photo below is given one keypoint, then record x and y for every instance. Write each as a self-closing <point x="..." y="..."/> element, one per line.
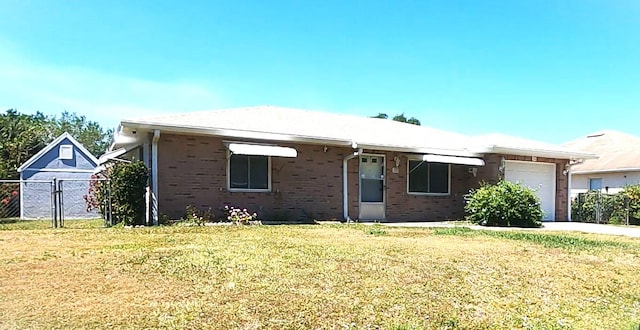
<point x="261" y="150"/>
<point x="540" y="153"/>
<point x="614" y="170"/>
<point x="52" y="145"/>
<point x="453" y="160"/>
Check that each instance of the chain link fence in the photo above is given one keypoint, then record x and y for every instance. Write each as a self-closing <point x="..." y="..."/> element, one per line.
<point x="598" y="207"/>
<point x="54" y="200"/>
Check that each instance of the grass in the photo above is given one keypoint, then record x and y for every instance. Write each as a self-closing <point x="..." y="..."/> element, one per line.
<point x="323" y="276"/>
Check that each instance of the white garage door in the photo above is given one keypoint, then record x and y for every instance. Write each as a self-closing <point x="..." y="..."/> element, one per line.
<point x="541" y="177"/>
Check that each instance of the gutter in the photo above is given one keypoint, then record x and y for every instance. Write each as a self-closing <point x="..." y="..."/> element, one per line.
<point x="345" y="184"/>
<point x="154" y="174"/>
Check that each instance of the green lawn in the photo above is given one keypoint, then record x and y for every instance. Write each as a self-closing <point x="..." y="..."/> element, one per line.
<point x="314" y="276"/>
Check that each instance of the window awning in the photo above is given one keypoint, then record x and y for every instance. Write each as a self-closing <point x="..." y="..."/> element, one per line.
<point x="261" y="150"/>
<point x="453" y="160"/>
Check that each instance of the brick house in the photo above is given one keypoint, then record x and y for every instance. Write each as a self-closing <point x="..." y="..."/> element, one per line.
<point x="291" y="164"/>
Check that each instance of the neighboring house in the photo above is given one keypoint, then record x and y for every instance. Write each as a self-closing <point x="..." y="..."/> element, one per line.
<point x="291" y="164"/>
<point x="66" y="160"/>
<point x="618" y="164"/>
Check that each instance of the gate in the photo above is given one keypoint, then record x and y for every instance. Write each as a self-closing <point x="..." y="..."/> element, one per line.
<point x="596" y="207"/>
<point x="54" y="200"/>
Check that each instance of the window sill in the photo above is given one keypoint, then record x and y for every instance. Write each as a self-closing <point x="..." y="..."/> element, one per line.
<point x="428" y="194"/>
<point x="249" y="190"/>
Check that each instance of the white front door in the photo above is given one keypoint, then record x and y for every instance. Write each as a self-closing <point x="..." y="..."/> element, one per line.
<point x="541" y="177"/>
<point x="371" y="188"/>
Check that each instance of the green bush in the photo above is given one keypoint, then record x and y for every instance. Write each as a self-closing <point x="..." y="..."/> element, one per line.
<point x="613" y="208"/>
<point x="125" y="186"/>
<point x="504" y="204"/>
<point x="584" y="208"/>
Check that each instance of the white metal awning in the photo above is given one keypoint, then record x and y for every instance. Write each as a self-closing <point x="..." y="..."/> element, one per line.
<point x="261" y="150"/>
<point x="109" y="155"/>
<point x="453" y="160"/>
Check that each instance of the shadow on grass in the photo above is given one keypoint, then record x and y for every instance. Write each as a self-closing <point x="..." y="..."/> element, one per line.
<point x="569" y="242"/>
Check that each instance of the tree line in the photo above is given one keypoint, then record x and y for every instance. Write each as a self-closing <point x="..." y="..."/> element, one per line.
<point x="23" y="135"/>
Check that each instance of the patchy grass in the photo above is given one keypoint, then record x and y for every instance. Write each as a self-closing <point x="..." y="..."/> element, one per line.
<point x="335" y="277"/>
<point x="549" y="240"/>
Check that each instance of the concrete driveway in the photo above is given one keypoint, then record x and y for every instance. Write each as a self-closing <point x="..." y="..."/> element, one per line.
<point x="631" y="231"/>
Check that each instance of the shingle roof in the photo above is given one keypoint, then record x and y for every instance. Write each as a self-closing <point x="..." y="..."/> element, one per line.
<point x="313" y="125"/>
<point x="618" y="152"/>
<point x="283" y="124"/>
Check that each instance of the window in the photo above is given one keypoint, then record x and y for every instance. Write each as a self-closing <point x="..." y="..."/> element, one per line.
<point x="428" y="178"/>
<point x="249" y="172"/>
<point x="595" y="184"/>
<point x="66" y="152"/>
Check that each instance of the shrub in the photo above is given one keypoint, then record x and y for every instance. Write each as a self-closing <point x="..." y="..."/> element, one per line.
<point x="238" y="216"/>
<point x="503" y="204"/>
<point x="584" y="208"/>
<point x="126" y="186"/>
<point x="198" y="217"/>
<point x="613" y="208"/>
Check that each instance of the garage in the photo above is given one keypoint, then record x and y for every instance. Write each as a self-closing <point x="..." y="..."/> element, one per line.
<point x="541" y="177"/>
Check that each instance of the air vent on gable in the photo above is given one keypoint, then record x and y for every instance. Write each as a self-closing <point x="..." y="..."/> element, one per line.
<point x="66" y="152"/>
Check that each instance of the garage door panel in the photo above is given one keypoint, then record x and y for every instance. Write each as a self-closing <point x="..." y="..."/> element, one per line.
<point x="541" y="177"/>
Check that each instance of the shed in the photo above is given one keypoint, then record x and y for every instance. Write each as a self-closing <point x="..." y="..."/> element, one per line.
<point x="66" y="160"/>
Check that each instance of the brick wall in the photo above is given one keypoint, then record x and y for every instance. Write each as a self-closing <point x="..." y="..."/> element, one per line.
<point x="193" y="171"/>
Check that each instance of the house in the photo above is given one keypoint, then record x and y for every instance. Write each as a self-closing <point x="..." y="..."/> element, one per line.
<point x="66" y="160"/>
<point x="618" y="164"/>
<point x="292" y="164"/>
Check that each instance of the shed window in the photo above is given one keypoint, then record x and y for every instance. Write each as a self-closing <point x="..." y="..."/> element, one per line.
<point x="249" y="172"/>
<point x="428" y="178"/>
<point x="66" y="152"/>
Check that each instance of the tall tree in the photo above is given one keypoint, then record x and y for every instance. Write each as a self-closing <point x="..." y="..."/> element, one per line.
<point x="21" y="137"/>
<point x="87" y="132"/>
<point x="401" y="118"/>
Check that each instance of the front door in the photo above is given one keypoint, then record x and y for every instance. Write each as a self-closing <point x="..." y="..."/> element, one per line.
<point x="372" y="188"/>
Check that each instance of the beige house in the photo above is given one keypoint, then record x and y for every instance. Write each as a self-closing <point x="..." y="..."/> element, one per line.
<point x="618" y="164"/>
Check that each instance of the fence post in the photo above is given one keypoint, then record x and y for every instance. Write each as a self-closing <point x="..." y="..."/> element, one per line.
<point x="61" y="202"/>
<point x="54" y="203"/>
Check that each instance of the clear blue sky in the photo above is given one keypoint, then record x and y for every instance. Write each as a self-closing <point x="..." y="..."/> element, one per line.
<point x="542" y="69"/>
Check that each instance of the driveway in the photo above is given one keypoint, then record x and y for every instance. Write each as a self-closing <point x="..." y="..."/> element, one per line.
<point x="631" y="231"/>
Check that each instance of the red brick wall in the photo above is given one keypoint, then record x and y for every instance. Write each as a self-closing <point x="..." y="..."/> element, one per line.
<point x="193" y="171"/>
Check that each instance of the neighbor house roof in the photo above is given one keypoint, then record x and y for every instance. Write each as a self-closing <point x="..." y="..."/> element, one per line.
<point x="619" y="152"/>
<point x="287" y="124"/>
<point x="54" y="144"/>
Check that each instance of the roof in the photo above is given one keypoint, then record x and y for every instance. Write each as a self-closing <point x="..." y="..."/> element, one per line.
<point x="619" y="152"/>
<point x="288" y="124"/>
<point x="512" y="145"/>
<point x="54" y="144"/>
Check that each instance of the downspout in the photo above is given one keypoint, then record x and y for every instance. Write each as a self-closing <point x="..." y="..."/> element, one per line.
<point x="569" y="191"/>
<point x="345" y="184"/>
<point x="154" y="174"/>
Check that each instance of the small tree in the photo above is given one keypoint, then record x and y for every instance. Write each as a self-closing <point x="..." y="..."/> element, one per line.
<point x="504" y="204"/>
<point x="127" y="184"/>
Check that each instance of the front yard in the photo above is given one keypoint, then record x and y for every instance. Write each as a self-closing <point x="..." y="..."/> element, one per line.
<point x="314" y="276"/>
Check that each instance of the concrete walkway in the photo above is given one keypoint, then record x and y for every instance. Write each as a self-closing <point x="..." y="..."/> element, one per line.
<point x="631" y="231"/>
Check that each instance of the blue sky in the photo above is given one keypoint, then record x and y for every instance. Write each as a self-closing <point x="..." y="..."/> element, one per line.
<point x="546" y="70"/>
